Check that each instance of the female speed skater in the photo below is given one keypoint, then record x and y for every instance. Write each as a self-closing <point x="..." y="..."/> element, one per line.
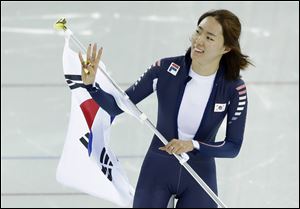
<point x="195" y="92"/>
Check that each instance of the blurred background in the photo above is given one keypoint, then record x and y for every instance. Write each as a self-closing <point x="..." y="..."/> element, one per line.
<point x="35" y="100"/>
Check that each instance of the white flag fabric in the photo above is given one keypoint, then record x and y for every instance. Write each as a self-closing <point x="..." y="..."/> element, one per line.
<point x="87" y="163"/>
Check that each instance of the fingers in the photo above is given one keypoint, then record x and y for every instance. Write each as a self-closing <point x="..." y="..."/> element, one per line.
<point x="81" y="58"/>
<point x="169" y="147"/>
<point x="94" y="52"/>
<point x="88" y="54"/>
<point x="180" y="151"/>
<point x="162" y="148"/>
<point x="175" y="146"/>
<point x="83" y="64"/>
<point x="92" y="59"/>
<point x="98" y="56"/>
<point x="176" y="149"/>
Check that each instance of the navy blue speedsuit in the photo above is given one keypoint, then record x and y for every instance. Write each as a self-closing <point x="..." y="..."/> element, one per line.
<point x="161" y="175"/>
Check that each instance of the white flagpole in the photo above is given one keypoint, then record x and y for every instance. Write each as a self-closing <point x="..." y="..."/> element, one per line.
<point x="183" y="158"/>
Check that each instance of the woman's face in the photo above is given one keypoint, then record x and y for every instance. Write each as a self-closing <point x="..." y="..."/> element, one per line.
<point x="207" y="42"/>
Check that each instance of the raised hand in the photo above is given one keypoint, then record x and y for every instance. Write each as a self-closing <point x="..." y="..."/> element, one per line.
<point x="90" y="66"/>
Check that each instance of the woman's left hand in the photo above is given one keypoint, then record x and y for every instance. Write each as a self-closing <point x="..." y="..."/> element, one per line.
<point x="176" y="146"/>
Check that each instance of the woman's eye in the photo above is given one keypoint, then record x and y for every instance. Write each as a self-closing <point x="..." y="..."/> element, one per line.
<point x="197" y="31"/>
<point x="209" y="38"/>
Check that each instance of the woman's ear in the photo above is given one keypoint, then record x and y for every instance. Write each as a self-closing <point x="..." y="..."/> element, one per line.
<point x="226" y="50"/>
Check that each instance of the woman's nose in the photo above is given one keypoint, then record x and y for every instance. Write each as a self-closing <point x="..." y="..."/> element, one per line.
<point x="199" y="39"/>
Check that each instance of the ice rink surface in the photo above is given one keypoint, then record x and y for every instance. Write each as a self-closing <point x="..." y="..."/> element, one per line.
<point x="35" y="100"/>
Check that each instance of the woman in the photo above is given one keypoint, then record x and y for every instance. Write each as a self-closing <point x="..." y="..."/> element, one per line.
<point x="195" y="92"/>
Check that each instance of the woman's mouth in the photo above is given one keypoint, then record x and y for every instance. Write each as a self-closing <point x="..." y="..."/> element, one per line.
<point x="199" y="51"/>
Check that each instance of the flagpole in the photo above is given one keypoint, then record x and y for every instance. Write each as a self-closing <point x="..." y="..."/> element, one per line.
<point x="183" y="158"/>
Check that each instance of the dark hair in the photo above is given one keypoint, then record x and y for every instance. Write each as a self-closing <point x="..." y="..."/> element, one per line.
<point x="233" y="60"/>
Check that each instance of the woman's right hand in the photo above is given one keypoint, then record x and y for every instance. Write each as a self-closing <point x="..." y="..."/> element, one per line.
<point x="89" y="68"/>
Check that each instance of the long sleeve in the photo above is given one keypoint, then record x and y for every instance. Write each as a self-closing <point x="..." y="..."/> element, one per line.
<point x="143" y="87"/>
<point x="236" y="119"/>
